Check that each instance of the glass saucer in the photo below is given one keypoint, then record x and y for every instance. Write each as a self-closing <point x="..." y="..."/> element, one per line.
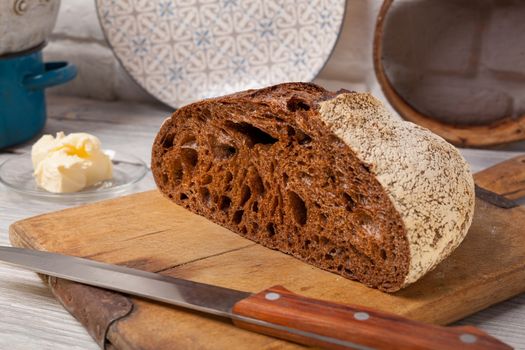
<point x="16" y="173"/>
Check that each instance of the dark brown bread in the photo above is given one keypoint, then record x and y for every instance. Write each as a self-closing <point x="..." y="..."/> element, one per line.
<point x="265" y="164"/>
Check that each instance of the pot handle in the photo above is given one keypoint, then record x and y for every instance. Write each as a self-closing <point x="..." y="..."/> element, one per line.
<point x="55" y="73"/>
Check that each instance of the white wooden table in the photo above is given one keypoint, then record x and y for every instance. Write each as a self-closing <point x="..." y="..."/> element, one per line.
<point x="30" y="318"/>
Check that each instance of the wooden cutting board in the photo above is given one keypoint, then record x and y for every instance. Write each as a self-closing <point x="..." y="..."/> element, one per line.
<point x="146" y="231"/>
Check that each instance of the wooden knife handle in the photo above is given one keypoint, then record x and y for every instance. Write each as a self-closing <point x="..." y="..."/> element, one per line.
<point x="506" y="178"/>
<point x="283" y="314"/>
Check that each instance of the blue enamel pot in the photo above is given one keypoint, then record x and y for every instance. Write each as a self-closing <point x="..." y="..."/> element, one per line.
<point x="23" y="78"/>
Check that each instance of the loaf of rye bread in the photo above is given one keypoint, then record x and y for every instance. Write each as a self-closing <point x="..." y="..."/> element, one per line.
<point x="330" y="178"/>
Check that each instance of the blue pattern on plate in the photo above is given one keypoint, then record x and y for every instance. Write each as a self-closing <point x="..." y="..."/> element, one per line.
<point x="184" y="50"/>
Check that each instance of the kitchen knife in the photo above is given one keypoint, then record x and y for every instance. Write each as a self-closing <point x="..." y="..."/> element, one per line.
<point x="275" y="311"/>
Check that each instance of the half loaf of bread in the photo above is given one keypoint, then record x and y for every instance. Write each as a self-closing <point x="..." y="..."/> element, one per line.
<point x="330" y="178"/>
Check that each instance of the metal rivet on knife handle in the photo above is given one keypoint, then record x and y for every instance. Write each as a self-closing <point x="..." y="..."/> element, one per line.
<point x="468" y="338"/>
<point x="361" y="316"/>
<point x="272" y="296"/>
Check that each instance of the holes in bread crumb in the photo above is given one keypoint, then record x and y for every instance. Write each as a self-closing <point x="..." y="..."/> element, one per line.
<point x="189" y="141"/>
<point x="167" y="142"/>
<point x="224" y="151"/>
<point x="306" y="244"/>
<point x="253" y="134"/>
<point x="237" y="217"/>
<point x="178" y="172"/>
<point x="303" y="138"/>
<point x="207" y="180"/>
<point x="332" y="253"/>
<point x="382" y="252"/>
<point x="362" y="218"/>
<point x="255" y="207"/>
<point x="183" y="196"/>
<point x="297" y="207"/>
<point x="225" y="203"/>
<point x="204" y="192"/>
<point x="246" y="193"/>
<point x="273" y="117"/>
<point x="347" y="269"/>
<point x="244" y="230"/>
<point x="306" y="178"/>
<point x="229" y="177"/>
<point x="189" y="157"/>
<point x="290" y="131"/>
<point x="270" y="228"/>
<point x="349" y="202"/>
<point x="257" y="184"/>
<point x="205" y="113"/>
<point x="297" y="104"/>
<point x="164" y="178"/>
<point x="291" y="241"/>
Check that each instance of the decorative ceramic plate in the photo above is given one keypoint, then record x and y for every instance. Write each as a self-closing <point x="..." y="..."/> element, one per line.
<point x="16" y="173"/>
<point x="185" y="50"/>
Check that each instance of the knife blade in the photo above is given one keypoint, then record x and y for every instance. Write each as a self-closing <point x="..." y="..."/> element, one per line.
<point x="275" y="311"/>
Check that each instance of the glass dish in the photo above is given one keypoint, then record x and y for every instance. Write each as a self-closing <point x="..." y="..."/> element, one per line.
<point x="16" y="173"/>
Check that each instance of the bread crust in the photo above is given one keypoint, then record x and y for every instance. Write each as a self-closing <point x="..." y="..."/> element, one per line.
<point x="426" y="178"/>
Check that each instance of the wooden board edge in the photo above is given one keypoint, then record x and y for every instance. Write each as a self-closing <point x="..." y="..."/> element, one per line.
<point x="17" y="232"/>
<point x="478" y="301"/>
<point x="18" y="236"/>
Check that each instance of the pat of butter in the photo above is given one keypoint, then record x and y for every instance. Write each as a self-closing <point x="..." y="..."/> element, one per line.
<point x="69" y="163"/>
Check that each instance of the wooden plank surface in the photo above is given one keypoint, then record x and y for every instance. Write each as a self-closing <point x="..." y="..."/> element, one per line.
<point x="30" y="317"/>
<point x="148" y="232"/>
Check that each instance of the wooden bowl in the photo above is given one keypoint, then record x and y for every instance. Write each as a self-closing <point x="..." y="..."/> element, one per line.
<point x="463" y="130"/>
